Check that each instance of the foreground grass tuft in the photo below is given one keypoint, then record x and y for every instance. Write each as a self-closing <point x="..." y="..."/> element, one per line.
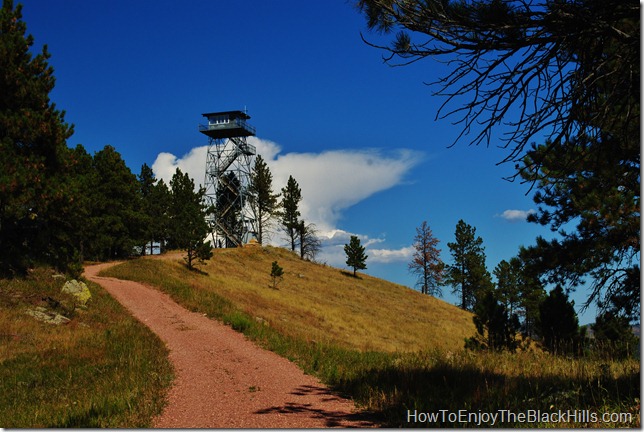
<point x="102" y="369"/>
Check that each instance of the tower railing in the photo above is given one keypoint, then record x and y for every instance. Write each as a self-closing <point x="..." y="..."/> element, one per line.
<point x="236" y="123"/>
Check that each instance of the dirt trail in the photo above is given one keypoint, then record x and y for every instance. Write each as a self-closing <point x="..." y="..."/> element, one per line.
<point x="222" y="379"/>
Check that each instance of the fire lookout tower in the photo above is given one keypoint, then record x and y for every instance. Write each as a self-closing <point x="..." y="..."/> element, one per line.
<point x="228" y="167"/>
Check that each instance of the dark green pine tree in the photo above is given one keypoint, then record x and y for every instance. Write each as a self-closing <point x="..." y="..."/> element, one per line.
<point x="508" y="284"/>
<point x="496" y="326"/>
<point x="146" y="184"/>
<point x="277" y="274"/>
<point x="81" y="170"/>
<point x="468" y="274"/>
<point x="596" y="187"/>
<point x="262" y="200"/>
<point x="558" y="323"/>
<point x="356" y="258"/>
<point x="614" y="335"/>
<point x="188" y="227"/>
<point x="35" y="189"/>
<point x="155" y="203"/>
<point x="116" y="218"/>
<point x="291" y="197"/>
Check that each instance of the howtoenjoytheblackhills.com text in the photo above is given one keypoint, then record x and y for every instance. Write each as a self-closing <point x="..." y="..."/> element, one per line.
<point x="508" y="417"/>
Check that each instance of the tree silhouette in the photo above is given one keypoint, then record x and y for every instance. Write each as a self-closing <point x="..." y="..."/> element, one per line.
<point x="560" y="68"/>
<point x="558" y="323"/>
<point x="494" y="323"/>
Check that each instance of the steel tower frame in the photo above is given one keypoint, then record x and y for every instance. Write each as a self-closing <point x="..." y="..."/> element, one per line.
<point x="228" y="168"/>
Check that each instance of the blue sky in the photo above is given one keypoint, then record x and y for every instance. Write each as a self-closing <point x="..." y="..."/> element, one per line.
<point x="359" y="136"/>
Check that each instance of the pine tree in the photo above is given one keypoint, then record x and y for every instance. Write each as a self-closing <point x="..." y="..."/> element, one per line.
<point x="277" y="274"/>
<point x="614" y="335"/>
<point x="35" y="190"/>
<point x="597" y="188"/>
<point x="263" y="201"/>
<point x="508" y="279"/>
<point x="426" y="261"/>
<point x="356" y="258"/>
<point x="79" y="217"/>
<point x="468" y="274"/>
<point x="155" y="202"/>
<point x="558" y="323"/>
<point x="189" y="228"/>
<point x="116" y="208"/>
<point x="146" y="184"/>
<point x="291" y="197"/>
<point x="495" y="325"/>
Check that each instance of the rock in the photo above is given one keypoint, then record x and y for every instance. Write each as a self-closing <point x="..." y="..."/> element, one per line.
<point x="47" y="316"/>
<point x="77" y="289"/>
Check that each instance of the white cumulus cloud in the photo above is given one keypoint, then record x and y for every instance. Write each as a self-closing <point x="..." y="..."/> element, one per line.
<point x="331" y="182"/>
<point x="386" y="256"/>
<point x="516" y="215"/>
<point x="193" y="163"/>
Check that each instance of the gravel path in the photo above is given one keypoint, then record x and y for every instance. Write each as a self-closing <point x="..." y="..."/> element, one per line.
<point x="222" y="379"/>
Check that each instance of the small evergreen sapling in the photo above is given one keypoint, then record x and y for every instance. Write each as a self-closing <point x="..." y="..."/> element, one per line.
<point x="277" y="274"/>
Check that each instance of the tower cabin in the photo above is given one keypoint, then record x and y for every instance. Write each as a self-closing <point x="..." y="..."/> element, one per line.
<point x="227" y="124"/>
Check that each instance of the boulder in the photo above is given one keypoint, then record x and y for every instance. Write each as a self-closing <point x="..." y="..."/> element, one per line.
<point x="47" y="316"/>
<point x="79" y="290"/>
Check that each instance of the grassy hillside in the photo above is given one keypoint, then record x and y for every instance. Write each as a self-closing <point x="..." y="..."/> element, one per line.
<point x="391" y="349"/>
<point x="101" y="369"/>
<point x="317" y="302"/>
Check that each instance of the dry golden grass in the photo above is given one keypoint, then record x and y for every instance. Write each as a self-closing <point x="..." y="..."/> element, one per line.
<point x="326" y="304"/>
<point x="102" y="369"/>
<point x="390" y="348"/>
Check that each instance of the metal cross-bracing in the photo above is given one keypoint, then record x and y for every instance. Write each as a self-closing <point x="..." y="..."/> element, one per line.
<point x="228" y="166"/>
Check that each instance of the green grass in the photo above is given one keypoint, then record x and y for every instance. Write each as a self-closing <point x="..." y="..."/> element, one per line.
<point x="103" y="369"/>
<point x="318" y="319"/>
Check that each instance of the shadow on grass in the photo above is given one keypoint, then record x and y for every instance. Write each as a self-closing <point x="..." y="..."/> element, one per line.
<point x="197" y="271"/>
<point x="331" y="417"/>
<point x="449" y="389"/>
<point x="350" y="274"/>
